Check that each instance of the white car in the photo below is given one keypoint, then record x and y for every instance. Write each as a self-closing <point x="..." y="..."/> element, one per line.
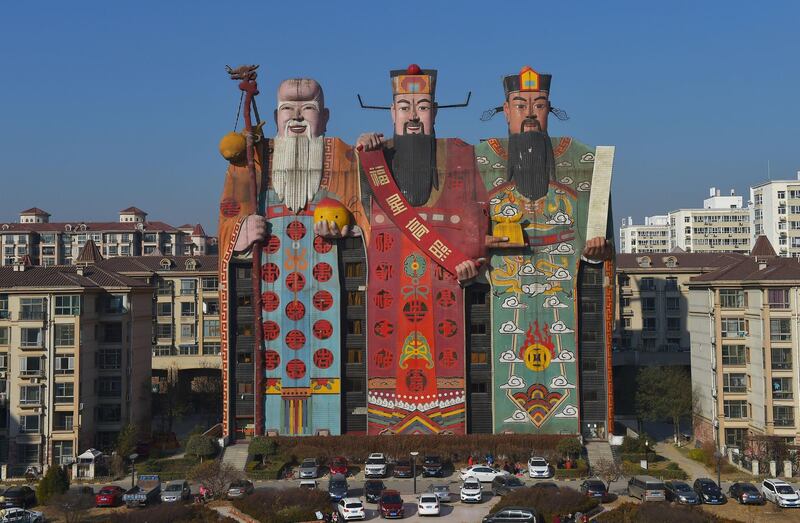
<point x="428" y="505"/>
<point x="471" y="490"/>
<point x="780" y="493"/>
<point x="350" y="509"/>
<point x="376" y="465"/>
<point x="19" y="515"/>
<point x="484" y="473"/>
<point x="538" y="468"/>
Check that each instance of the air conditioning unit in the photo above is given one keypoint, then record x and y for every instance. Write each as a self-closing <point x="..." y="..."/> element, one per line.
<point x="713" y="392"/>
<point x="80" y="406"/>
<point x="2" y="375"/>
<point x="37" y="409"/>
<point x="36" y="380"/>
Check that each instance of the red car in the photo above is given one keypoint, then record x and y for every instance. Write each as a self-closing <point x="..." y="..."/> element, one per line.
<point x="338" y="466"/>
<point x="109" y="496"/>
<point x="391" y="505"/>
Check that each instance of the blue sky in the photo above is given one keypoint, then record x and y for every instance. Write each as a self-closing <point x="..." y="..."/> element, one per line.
<point x="106" y="105"/>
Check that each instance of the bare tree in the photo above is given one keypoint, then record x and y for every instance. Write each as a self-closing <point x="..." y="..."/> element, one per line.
<point x="215" y="476"/>
<point x="607" y="470"/>
<point x="73" y="505"/>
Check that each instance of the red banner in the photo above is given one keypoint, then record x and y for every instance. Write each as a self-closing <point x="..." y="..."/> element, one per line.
<point x="402" y="214"/>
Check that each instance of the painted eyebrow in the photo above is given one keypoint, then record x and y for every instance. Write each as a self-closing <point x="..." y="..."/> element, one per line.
<point x="540" y="98"/>
<point x="423" y="100"/>
<point x="402" y="100"/>
<point x="521" y="99"/>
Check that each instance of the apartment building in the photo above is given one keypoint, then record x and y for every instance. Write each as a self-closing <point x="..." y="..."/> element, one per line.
<point x="745" y="339"/>
<point x="651" y="237"/>
<point x="722" y="225"/>
<point x="74" y="362"/>
<point x="776" y="214"/>
<point x="41" y="242"/>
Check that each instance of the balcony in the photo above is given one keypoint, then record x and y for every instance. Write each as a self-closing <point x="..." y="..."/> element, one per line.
<point x="782" y="395"/>
<point x="784" y="422"/>
<point x="64" y="399"/>
<point x="26" y="315"/>
<point x="627" y="311"/>
<point x="31" y="373"/>
<point x="30" y="402"/>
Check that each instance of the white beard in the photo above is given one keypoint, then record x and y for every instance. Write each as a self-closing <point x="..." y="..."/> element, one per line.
<point x="297" y="169"/>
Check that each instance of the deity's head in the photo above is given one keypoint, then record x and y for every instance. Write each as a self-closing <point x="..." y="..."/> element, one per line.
<point x="301" y="108"/>
<point x="413" y="105"/>
<point x="527" y="104"/>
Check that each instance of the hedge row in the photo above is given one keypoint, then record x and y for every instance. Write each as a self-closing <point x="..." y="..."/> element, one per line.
<point x="547" y="502"/>
<point x="657" y="513"/>
<point x="284" y="505"/>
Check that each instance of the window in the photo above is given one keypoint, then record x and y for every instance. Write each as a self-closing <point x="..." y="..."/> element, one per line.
<point x="355" y="298"/>
<point x="783" y="416"/>
<point x="210" y="307"/>
<point x="150" y="237"/>
<point x="589" y="395"/>
<point x="109" y="359"/>
<point x="63" y="452"/>
<point x="64" y="392"/>
<point x="734" y="327"/>
<point x="647" y="284"/>
<point x="164" y="308"/>
<point x="30" y="395"/>
<point x="649" y="324"/>
<point x="243" y="273"/>
<point x="355" y="356"/>
<point x="734" y="382"/>
<point x="244" y="387"/>
<point x="188" y="286"/>
<point x="109" y="413"/>
<point x="105" y="440"/>
<point x="187" y="331"/>
<point x="211" y="349"/>
<point x="68" y="305"/>
<point x="780" y="329"/>
<point x="354" y="270"/>
<point x="30" y="337"/>
<point x="114" y="304"/>
<point x="63" y="421"/>
<point x="244" y="300"/>
<point x="164" y="330"/>
<point x="187" y="308"/>
<point x="31" y="308"/>
<point x="479" y="387"/>
<point x="782" y="388"/>
<point x="588" y="365"/>
<point x="731" y="298"/>
<point x="479" y="357"/>
<point x="245" y="329"/>
<point x="3" y="335"/>
<point x="64" y="334"/>
<point x="781" y="195"/>
<point x="673" y="304"/>
<point x="671" y="284"/>
<point x="354" y="327"/>
<point x="211" y="328"/>
<point x="164" y="286"/>
<point x="31" y="366"/>
<point x="478" y="328"/>
<point x="28" y="452"/>
<point x="244" y="357"/>
<point x="109" y="387"/>
<point x="210" y="283"/>
<point x="477" y="298"/>
<point x="65" y="365"/>
<point x="187" y="350"/>
<point x="3" y="367"/>
<point x="735" y="437"/>
<point x="3" y="305"/>
<point x="733" y="355"/>
<point x="627" y="323"/>
<point x="673" y="324"/>
<point x="735" y="409"/>
<point x="648" y="304"/>
<point x="781" y="358"/>
<point x="778" y="298"/>
<point x="353" y="385"/>
<point x="162" y="350"/>
<point x="111" y="332"/>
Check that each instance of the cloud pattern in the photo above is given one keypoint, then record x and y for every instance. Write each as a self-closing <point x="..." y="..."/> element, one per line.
<point x="529" y="269"/>
<point x="514" y="382"/>
<point x="512" y="302"/>
<point x="560" y="327"/>
<point x="552" y="302"/>
<point x="509" y="356"/>
<point x="564" y="356"/>
<point x="535" y="289"/>
<point x="569" y="412"/>
<point x="518" y="417"/>
<point x="560" y="274"/>
<point x="559" y="218"/>
<point x="560" y="382"/>
<point x="510" y="327"/>
<point x="562" y="248"/>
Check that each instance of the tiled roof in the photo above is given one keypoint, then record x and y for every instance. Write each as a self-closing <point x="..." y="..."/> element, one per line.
<point x="64" y="276"/>
<point x="684" y="260"/>
<point x="751" y="269"/>
<point x="90" y="227"/>
<point x="198" y="230"/>
<point x="135" y="210"/>
<point x="134" y="264"/>
<point x="36" y="211"/>
<point x="762" y="247"/>
<point x="89" y="254"/>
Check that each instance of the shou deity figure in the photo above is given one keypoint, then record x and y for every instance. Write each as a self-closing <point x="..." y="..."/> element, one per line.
<point x="545" y="323"/>
<point x="427" y="222"/>
<point x="297" y="375"/>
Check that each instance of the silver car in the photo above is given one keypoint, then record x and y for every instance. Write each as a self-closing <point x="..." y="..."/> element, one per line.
<point x="309" y="469"/>
<point x="441" y="491"/>
<point x="176" y="491"/>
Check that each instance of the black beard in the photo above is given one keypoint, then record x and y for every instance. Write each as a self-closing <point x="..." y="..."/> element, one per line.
<point x="414" y="166"/>
<point x="531" y="163"/>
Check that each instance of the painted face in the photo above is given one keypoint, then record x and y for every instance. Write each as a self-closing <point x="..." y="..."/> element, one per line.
<point x="301" y="108"/>
<point x="527" y="111"/>
<point x="413" y="114"/>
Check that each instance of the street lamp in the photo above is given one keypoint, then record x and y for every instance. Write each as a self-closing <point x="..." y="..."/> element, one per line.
<point x="414" y="455"/>
<point x="133" y="457"/>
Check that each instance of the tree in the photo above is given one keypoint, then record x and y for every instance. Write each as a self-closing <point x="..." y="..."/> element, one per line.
<point x="170" y="402"/>
<point x="664" y="393"/>
<point x="263" y="447"/>
<point x="607" y="470"/>
<point x="570" y="448"/>
<point x="215" y="475"/>
<point x="201" y="446"/>
<point x="73" y="505"/>
<point x="54" y="483"/>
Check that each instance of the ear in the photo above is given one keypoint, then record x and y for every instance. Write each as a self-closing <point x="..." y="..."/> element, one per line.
<point x="506" y="112"/>
<point x="275" y="116"/>
<point x="323" y="119"/>
<point x="392" y="110"/>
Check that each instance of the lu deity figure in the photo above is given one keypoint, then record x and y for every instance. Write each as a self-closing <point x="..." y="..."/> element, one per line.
<point x="539" y="190"/>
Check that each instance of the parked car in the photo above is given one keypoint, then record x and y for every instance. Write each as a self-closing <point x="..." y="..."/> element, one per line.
<point x="539" y="468"/>
<point x="350" y="509"/>
<point x="338" y="466"/>
<point x="309" y="469"/>
<point x="309" y="484"/>
<point x="484" y="473"/>
<point x="745" y="493"/>
<point x="109" y="496"/>
<point x="471" y="490"/>
<point x="681" y="492"/>
<point x="779" y="492"/>
<point x="390" y="505"/>
<point x="18" y="497"/>
<point x="432" y="467"/>
<point x="20" y="515"/>
<point x="337" y="487"/>
<point x="646" y="488"/>
<point x="146" y="492"/>
<point x="546" y="485"/>
<point x="403" y="469"/>
<point x="240" y="488"/>
<point x="373" y="489"/>
<point x="176" y="491"/>
<point x="441" y="491"/>
<point x="504" y="484"/>
<point x="428" y="505"/>
<point x="594" y="488"/>
<point x="513" y="515"/>
<point x="376" y="466"/>
<point x="709" y="492"/>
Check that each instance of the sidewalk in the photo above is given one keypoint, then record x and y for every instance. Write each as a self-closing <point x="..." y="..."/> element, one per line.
<point x="691" y="467"/>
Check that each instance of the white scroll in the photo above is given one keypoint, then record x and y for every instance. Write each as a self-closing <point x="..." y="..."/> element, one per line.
<point x="600" y="195"/>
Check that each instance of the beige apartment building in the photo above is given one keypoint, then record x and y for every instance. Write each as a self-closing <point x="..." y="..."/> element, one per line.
<point x="776" y="214"/>
<point x="38" y="241"/>
<point x="743" y="320"/>
<point x="74" y="362"/>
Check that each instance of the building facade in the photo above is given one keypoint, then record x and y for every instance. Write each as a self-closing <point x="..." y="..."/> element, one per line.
<point x="74" y="362"/>
<point x="722" y="225"/>
<point x="653" y="236"/>
<point x="776" y="214"/>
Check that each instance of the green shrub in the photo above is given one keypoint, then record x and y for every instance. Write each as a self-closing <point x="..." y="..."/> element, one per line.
<point x="673" y="466"/>
<point x="54" y="483"/>
<point x="634" y="445"/>
<point x="570" y="448"/>
<point x="697" y="455"/>
<point x="547" y="502"/>
<point x="169" y="513"/>
<point x="262" y="448"/>
<point x="201" y="446"/>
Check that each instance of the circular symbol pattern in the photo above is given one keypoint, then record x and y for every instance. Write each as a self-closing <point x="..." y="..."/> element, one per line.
<point x="383" y="328"/>
<point x="416" y="380"/>
<point x="296" y="369"/>
<point x="445" y="298"/>
<point x="273" y="244"/>
<point x="323" y="358"/>
<point x="323" y="300"/>
<point x="384" y="271"/>
<point x="537" y="357"/>
<point x="383" y="242"/>
<point x="295" y="281"/>
<point x="383" y="299"/>
<point x="415" y="310"/>
<point x="447" y="328"/>
<point x="295" y="310"/>
<point x="270" y="272"/>
<point x="321" y="245"/>
<point x="271" y="330"/>
<point x="270" y="301"/>
<point x="322" y="272"/>
<point x="322" y="329"/>
<point x="447" y="358"/>
<point x="383" y="359"/>
<point x="271" y="359"/>
<point x="295" y="230"/>
<point x="295" y="339"/>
